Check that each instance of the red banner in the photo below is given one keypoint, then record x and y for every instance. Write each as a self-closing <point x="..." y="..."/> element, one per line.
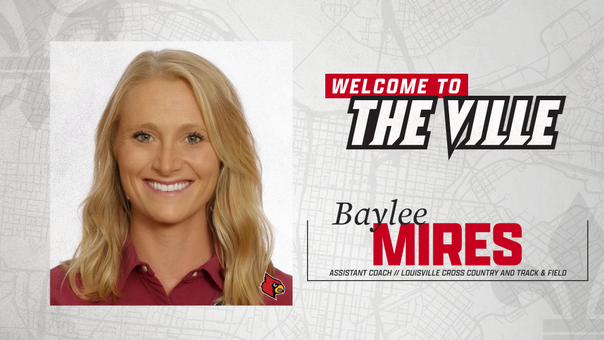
<point x="377" y="84"/>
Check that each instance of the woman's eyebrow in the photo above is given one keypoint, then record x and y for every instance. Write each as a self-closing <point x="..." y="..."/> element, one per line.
<point x="184" y="127"/>
<point x="149" y="126"/>
<point x="192" y="127"/>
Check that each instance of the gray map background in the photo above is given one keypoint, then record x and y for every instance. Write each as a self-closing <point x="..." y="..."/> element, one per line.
<point x="507" y="47"/>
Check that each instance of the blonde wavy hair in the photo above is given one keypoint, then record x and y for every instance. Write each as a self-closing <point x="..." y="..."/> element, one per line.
<point x="242" y="233"/>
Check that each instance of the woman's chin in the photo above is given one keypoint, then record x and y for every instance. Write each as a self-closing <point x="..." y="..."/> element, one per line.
<point x="168" y="216"/>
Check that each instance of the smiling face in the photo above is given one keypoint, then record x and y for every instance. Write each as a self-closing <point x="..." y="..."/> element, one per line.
<point x="168" y="167"/>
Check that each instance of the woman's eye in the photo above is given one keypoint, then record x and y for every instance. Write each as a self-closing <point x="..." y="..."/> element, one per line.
<point x="194" y="138"/>
<point x="142" y="137"/>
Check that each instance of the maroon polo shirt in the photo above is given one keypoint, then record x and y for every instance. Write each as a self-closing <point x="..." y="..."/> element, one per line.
<point x="140" y="286"/>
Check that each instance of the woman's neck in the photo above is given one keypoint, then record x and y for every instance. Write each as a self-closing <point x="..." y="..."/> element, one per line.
<point x="172" y="250"/>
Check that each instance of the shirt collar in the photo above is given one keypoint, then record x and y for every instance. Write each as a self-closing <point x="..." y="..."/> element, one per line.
<point x="130" y="261"/>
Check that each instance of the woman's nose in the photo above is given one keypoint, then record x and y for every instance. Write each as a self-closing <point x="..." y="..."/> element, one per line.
<point x="167" y="159"/>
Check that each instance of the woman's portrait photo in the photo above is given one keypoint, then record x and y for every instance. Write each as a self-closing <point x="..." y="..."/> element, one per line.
<point x="171" y="169"/>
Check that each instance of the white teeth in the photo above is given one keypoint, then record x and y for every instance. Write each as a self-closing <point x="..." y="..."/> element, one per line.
<point x="168" y="188"/>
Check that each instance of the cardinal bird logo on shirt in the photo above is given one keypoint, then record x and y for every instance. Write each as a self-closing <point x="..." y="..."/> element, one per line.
<point x="271" y="286"/>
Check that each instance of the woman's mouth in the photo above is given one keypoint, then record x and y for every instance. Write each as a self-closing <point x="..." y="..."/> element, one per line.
<point x="172" y="187"/>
